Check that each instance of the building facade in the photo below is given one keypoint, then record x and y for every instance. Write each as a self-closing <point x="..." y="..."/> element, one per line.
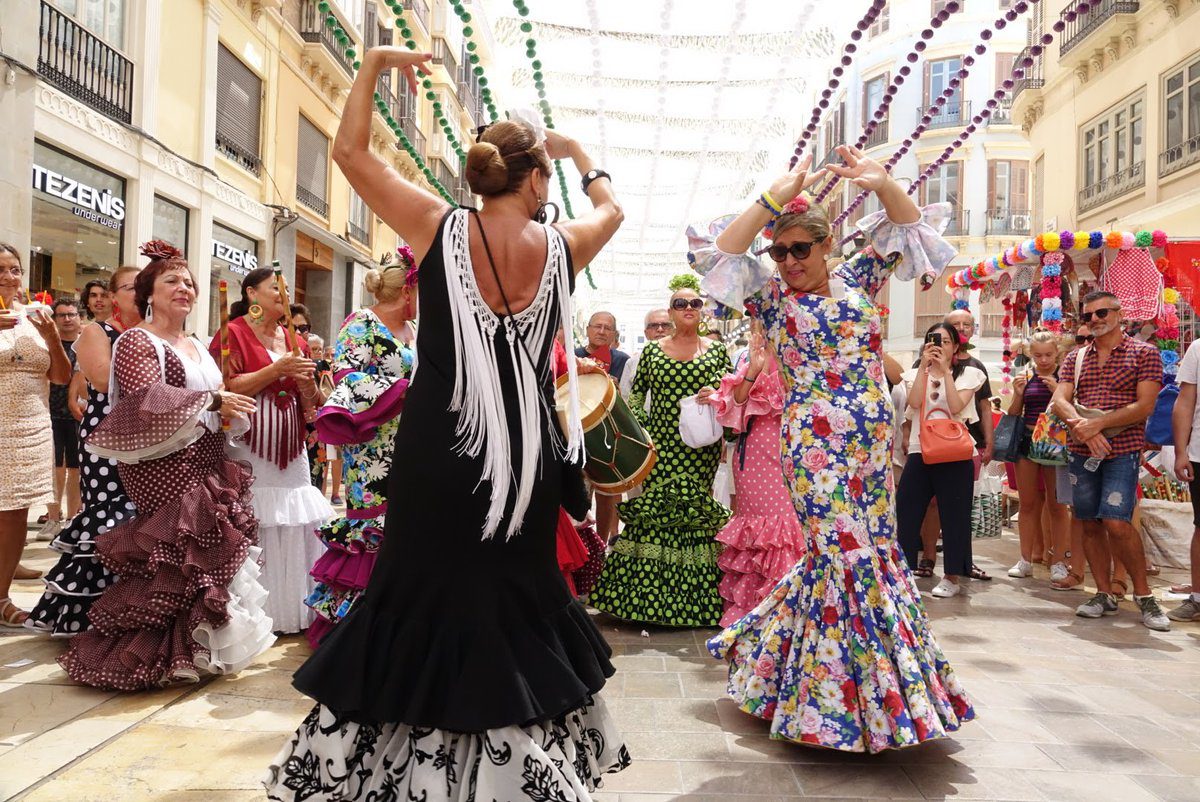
<point x="209" y="123"/>
<point x="986" y="181"/>
<point x="1112" y="109"/>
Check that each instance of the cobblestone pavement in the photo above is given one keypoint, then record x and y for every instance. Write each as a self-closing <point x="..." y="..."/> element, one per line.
<point x="1068" y="709"/>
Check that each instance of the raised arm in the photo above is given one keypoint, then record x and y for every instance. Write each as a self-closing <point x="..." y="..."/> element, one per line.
<point x="411" y="211"/>
<point x="590" y="232"/>
<point x="740" y="234"/>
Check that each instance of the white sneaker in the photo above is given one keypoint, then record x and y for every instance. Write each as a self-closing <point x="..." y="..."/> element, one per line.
<point x="50" y="530"/>
<point x="1022" y="569"/>
<point x="1059" y="572"/>
<point x="945" y="589"/>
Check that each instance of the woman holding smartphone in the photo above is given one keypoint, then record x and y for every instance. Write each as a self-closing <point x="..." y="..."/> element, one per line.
<point x="940" y="387"/>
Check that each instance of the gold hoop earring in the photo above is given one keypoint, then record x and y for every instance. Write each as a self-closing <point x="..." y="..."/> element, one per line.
<point x="255" y="311"/>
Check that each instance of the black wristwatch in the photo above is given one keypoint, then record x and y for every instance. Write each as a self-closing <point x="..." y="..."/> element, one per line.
<point x="592" y="175"/>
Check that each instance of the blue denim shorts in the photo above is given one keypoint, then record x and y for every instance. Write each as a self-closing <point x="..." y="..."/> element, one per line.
<point x="1108" y="493"/>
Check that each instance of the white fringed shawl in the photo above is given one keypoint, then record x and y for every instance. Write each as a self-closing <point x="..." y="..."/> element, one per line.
<point x="478" y="396"/>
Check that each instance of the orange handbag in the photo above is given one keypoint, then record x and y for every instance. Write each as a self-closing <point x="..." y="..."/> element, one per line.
<point x="943" y="439"/>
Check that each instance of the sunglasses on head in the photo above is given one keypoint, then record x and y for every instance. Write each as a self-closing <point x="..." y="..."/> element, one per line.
<point x="800" y="250"/>
<point x="1101" y="313"/>
<point x="679" y="304"/>
<point x="1080" y="339"/>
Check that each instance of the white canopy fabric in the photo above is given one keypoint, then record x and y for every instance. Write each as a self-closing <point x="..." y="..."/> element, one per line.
<point x="691" y="106"/>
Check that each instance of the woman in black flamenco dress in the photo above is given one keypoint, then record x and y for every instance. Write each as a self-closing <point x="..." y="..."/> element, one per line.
<point x="467" y="670"/>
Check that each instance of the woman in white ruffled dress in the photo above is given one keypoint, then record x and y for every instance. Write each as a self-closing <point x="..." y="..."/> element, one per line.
<point x="265" y="362"/>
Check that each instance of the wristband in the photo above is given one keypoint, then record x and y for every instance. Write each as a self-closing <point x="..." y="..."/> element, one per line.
<point x="771" y="203"/>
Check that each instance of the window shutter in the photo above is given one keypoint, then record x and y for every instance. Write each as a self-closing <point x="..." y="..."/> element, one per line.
<point x="1004" y="67"/>
<point x="991" y="196"/>
<point x="1019" y="179"/>
<point x="312" y="163"/>
<point x="239" y="103"/>
<point x="370" y="28"/>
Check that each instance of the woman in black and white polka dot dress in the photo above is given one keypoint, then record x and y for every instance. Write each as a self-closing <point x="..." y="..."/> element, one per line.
<point x="78" y="578"/>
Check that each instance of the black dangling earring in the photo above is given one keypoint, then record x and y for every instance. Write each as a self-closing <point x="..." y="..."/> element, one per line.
<point x="543" y="217"/>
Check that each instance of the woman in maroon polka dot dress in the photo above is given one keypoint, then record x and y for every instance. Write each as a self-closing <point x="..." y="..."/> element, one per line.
<point x="187" y="600"/>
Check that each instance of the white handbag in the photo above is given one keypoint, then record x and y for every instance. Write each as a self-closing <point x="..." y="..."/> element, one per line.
<point x="698" y="425"/>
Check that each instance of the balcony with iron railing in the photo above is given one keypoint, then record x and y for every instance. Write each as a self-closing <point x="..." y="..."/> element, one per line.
<point x="443" y="54"/>
<point x="1089" y="22"/>
<point x="1031" y="77"/>
<point x="960" y="223"/>
<point x="420" y="10"/>
<point x="231" y="147"/>
<point x="314" y="31"/>
<point x="312" y="200"/>
<point x="1008" y="222"/>
<point x="358" y="233"/>
<point x="83" y="66"/>
<point x="879" y="136"/>
<point x="1002" y="114"/>
<point x="1177" y="157"/>
<point x="1112" y="186"/>
<point x="955" y="113"/>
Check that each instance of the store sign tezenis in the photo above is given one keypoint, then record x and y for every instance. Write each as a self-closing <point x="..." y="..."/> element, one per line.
<point x="98" y="205"/>
<point x="240" y="262"/>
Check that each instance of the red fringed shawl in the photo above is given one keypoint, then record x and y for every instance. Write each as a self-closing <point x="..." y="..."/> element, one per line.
<point x="277" y="430"/>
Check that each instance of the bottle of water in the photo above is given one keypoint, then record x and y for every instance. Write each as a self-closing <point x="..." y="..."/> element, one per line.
<point x="1092" y="464"/>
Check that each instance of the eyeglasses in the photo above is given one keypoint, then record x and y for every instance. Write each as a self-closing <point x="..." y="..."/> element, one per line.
<point x="304" y="328"/>
<point x="657" y="326"/>
<point x="1080" y="339"/>
<point x="679" y="304"/>
<point x="1101" y="313"/>
<point x="66" y="315"/>
<point x="800" y="250"/>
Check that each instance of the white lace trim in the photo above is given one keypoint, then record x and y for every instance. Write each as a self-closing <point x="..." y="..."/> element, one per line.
<point x="478" y="398"/>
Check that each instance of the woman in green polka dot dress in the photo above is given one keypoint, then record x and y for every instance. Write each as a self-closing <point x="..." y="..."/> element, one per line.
<point x="663" y="568"/>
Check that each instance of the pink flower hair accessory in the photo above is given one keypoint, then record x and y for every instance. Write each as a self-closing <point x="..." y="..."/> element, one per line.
<point x="410" y="261"/>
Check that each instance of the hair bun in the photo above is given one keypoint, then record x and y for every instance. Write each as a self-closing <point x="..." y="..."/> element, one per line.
<point x="486" y="171"/>
<point x="373" y="281"/>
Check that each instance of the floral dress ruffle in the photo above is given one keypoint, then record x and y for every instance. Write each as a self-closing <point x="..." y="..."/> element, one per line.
<point x="372" y="369"/>
<point x="763" y="540"/>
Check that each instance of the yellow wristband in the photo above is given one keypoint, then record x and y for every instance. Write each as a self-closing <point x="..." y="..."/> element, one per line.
<point x="766" y="196"/>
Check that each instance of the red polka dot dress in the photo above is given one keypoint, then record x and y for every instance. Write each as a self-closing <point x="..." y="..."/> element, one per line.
<point x="187" y="600"/>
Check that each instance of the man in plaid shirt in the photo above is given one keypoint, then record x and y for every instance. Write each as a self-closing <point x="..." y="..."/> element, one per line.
<point x="1120" y="376"/>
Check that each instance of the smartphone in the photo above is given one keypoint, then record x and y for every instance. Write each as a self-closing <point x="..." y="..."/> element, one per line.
<point x="934" y="337"/>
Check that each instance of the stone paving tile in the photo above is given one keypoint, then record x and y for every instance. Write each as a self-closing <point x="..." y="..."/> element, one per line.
<point x="1067" y="709"/>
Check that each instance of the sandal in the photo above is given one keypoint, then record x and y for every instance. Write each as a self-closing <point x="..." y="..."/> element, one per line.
<point x="924" y="569"/>
<point x="1072" y="581"/>
<point x="979" y="573"/>
<point x="1153" y="570"/>
<point x="11" y="615"/>
<point x="1181" y="588"/>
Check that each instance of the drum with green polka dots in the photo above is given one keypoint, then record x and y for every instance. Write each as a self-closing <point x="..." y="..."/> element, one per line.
<point x="663" y="568"/>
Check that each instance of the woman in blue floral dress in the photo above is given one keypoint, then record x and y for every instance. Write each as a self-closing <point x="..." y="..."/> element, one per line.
<point x="840" y="654"/>
<point x="373" y="362"/>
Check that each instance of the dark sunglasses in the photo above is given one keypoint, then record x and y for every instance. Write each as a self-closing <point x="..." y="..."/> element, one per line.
<point x="1080" y="339"/>
<point x="1086" y="317"/>
<point x="800" y="250"/>
<point x="679" y="304"/>
<point x="304" y="328"/>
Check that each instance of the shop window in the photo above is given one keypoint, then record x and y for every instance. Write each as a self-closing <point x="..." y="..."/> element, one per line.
<point x="234" y="255"/>
<point x="239" y="111"/>
<point x="171" y="223"/>
<point x="1181" y="122"/>
<point x="312" y="168"/>
<point x="1112" y="150"/>
<point x="104" y="18"/>
<point x="78" y="222"/>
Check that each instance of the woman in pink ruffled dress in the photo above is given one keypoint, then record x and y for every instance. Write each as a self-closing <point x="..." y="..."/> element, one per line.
<point x="763" y="540"/>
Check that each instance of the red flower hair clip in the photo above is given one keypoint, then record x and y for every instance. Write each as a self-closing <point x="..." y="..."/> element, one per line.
<point x="158" y="249"/>
<point x="410" y="261"/>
